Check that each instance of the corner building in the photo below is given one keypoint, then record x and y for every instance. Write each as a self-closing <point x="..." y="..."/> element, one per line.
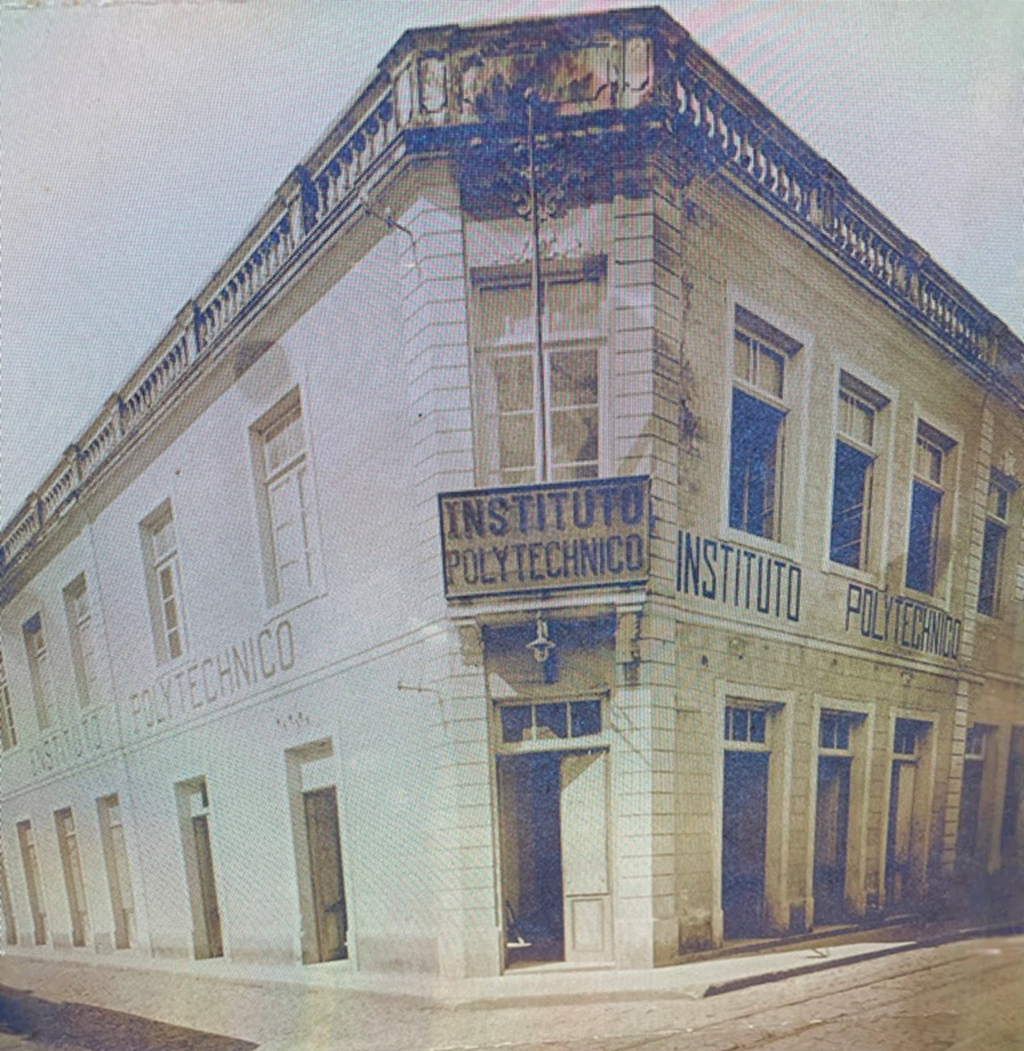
<point x="574" y="525"/>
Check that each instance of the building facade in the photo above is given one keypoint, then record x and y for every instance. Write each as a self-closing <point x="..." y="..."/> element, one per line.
<point x="574" y="525"/>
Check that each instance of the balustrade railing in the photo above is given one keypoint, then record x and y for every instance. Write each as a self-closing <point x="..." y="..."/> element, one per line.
<point x="827" y="207"/>
<point x="313" y="198"/>
<point x="715" y="118"/>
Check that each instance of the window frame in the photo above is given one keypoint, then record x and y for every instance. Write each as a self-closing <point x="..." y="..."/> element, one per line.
<point x="155" y="564"/>
<point x="943" y="446"/>
<point x="841" y="725"/>
<point x="297" y="470"/>
<point x="534" y="741"/>
<point x="756" y="721"/>
<point x="487" y="451"/>
<point x="990" y="602"/>
<point x="86" y="683"/>
<point x="870" y="541"/>
<point x="788" y="402"/>
<point x="40" y="671"/>
<point x="8" y="726"/>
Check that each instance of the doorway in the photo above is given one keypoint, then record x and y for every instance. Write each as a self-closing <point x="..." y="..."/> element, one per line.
<point x="115" y="855"/>
<point x="831" y="825"/>
<point x="744" y="842"/>
<point x="553" y="828"/>
<point x="207" y="885"/>
<point x="197" y="847"/>
<point x="320" y="808"/>
<point x="906" y="838"/>
<point x="899" y="852"/>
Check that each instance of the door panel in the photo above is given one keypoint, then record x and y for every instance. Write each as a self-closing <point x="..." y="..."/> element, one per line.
<point x="207" y="886"/>
<point x="321" y="807"/>
<point x="584" y="827"/>
<point x="830" y="834"/>
<point x="529" y="789"/>
<point x="744" y="835"/>
<point x="970" y="808"/>
<point x="900" y="840"/>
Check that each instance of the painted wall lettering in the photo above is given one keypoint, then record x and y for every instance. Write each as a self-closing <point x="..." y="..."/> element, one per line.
<point x="734" y="576"/>
<point x="69" y="745"/>
<point x="902" y="621"/>
<point x="545" y="538"/>
<point x="215" y="678"/>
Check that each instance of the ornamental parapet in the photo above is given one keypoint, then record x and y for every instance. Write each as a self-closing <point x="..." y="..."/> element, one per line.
<point x="591" y="78"/>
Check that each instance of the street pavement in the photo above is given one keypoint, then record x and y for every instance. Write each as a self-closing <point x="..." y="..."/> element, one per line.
<point x="602" y="1010"/>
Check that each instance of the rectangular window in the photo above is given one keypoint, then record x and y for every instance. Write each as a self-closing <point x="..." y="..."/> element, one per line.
<point x="854" y="473"/>
<point x="33" y="882"/>
<point x="558" y="719"/>
<point x="931" y="455"/>
<point x="974" y="744"/>
<point x="163" y="577"/>
<point x="115" y="855"/>
<point x="759" y="411"/>
<point x="906" y="736"/>
<point x="8" y="731"/>
<point x="745" y="724"/>
<point x="71" y="862"/>
<point x="83" y="644"/>
<point x="834" y="731"/>
<point x="286" y="502"/>
<point x="510" y="385"/>
<point x="39" y="670"/>
<point x="990" y="585"/>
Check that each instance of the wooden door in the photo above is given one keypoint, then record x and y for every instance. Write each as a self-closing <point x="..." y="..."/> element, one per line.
<point x="584" y="833"/>
<point x="830" y="831"/>
<point x="744" y="840"/>
<point x="207" y="886"/>
<point x="900" y="836"/>
<point x="328" y="884"/>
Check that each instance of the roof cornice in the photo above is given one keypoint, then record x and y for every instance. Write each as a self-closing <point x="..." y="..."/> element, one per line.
<point x="436" y="90"/>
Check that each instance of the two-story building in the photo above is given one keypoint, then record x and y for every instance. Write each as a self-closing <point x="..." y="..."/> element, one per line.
<point x="574" y="525"/>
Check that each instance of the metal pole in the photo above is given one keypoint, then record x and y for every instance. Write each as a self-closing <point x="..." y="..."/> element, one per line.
<point x="538" y="305"/>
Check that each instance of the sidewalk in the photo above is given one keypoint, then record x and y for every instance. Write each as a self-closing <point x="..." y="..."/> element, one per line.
<point x="275" y="1007"/>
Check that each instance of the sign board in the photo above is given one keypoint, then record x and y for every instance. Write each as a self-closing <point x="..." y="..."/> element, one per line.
<point x="557" y="537"/>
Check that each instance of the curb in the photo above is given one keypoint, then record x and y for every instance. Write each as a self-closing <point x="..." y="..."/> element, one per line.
<point x="928" y="942"/>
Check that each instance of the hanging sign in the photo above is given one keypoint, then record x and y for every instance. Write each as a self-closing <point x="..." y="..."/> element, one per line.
<point x="526" y="538"/>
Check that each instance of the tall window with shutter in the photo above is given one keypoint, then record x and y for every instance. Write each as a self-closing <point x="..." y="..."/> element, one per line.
<point x="286" y="504"/>
<point x="39" y="670"/>
<point x="8" y="731"/>
<point x="522" y="403"/>
<point x="163" y="579"/>
<point x="83" y="642"/>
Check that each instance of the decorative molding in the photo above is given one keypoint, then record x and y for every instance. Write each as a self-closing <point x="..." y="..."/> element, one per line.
<point x="600" y="81"/>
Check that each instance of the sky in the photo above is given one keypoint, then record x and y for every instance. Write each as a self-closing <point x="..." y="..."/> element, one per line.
<point x="139" y="141"/>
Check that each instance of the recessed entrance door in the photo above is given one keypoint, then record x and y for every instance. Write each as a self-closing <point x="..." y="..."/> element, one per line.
<point x="207" y="885"/>
<point x="554" y="856"/>
<point x="586" y="898"/>
<point x="831" y="823"/>
<point x="970" y="809"/>
<point x="744" y="836"/>
<point x="328" y="886"/>
<point x="899" y="856"/>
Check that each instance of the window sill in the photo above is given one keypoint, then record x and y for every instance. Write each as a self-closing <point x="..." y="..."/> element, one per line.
<point x="867" y="577"/>
<point x="753" y="542"/>
<point x="282" y="609"/>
